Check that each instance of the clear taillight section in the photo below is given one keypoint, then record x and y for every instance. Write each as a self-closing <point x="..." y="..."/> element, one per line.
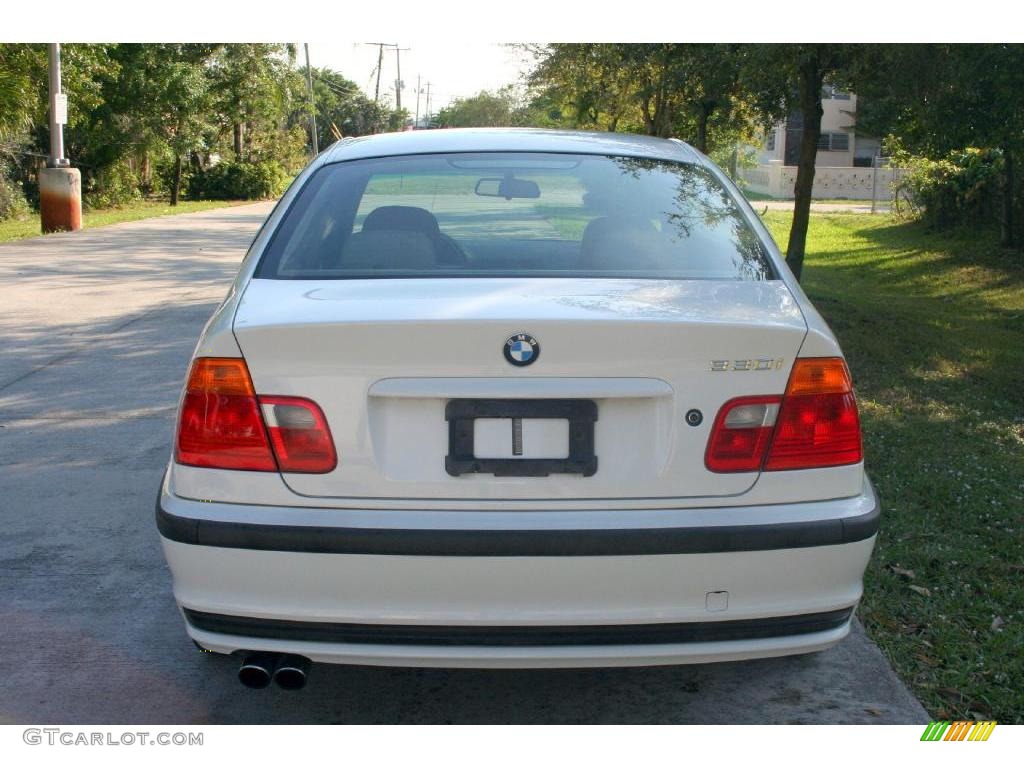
<point x="741" y="433"/>
<point x="815" y="424"/>
<point x="224" y="425"/>
<point x="299" y="434"/>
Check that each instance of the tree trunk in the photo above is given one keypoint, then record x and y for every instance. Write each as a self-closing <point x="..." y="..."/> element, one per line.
<point x="810" y="106"/>
<point x="176" y="184"/>
<point x="238" y="133"/>
<point x="645" y="109"/>
<point x="702" y="128"/>
<point x="1009" y="235"/>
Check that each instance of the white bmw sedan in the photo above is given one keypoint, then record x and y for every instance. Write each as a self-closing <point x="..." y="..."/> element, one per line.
<point x="514" y="398"/>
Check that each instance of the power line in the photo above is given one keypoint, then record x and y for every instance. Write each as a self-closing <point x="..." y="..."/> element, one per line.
<point x="335" y="88"/>
<point x="350" y="86"/>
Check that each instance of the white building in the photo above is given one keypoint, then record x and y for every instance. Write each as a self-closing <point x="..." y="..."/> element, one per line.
<point x="843" y="166"/>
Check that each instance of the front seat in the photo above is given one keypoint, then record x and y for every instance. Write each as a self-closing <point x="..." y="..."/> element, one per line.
<point x="407" y="218"/>
<point x="621" y="243"/>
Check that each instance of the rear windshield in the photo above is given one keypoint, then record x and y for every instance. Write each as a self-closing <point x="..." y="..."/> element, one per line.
<point x="514" y="215"/>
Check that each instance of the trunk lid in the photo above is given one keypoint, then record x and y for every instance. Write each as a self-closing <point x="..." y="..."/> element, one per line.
<point x="384" y="358"/>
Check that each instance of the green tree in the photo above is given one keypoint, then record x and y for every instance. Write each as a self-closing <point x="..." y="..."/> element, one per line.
<point x="485" y="109"/>
<point x="184" y="101"/>
<point x="251" y="86"/>
<point x="342" y="109"/>
<point x="689" y="91"/>
<point x="949" y="98"/>
<point x="342" y="106"/>
<point x="20" y="66"/>
<point x="782" y="79"/>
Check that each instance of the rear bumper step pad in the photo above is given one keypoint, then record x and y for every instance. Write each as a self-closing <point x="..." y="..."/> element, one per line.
<point x="517" y="543"/>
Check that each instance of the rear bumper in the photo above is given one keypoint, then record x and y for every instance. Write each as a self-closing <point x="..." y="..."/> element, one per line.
<point x="526" y="596"/>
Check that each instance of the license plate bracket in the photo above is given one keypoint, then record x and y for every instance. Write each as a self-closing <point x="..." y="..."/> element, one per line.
<point x="461" y="460"/>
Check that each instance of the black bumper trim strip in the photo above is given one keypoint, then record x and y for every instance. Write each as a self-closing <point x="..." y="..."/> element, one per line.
<point x="620" y="634"/>
<point x="517" y="543"/>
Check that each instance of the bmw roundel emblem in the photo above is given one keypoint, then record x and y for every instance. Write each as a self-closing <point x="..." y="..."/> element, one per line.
<point x="521" y="349"/>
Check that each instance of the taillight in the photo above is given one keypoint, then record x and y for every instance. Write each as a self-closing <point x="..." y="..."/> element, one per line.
<point x="815" y="424"/>
<point x="299" y="434"/>
<point x="222" y="424"/>
<point x="741" y="434"/>
<point x="818" y="425"/>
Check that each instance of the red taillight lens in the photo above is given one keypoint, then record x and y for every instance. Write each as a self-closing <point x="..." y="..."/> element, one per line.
<point x="741" y="434"/>
<point x="220" y="424"/>
<point x="299" y="434"/>
<point x="816" y="431"/>
<point x="224" y="425"/>
<point x="816" y="424"/>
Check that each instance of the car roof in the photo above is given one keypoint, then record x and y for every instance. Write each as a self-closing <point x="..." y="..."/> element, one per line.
<point x="509" y="140"/>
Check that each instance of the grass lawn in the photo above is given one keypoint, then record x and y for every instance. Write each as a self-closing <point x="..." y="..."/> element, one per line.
<point x="17" y="230"/>
<point x="933" y="327"/>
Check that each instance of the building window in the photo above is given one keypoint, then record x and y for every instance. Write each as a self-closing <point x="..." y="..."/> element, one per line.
<point x="834" y="142"/>
<point x="769" y="143"/>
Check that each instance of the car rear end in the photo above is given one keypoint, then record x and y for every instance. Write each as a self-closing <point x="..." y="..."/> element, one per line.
<point x="520" y="430"/>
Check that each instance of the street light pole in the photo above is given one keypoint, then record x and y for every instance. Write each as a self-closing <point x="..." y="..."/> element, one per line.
<point x="58" y="111"/>
<point x="60" y="186"/>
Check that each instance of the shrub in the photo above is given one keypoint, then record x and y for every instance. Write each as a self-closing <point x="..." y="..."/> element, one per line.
<point x="233" y="180"/>
<point x="965" y="187"/>
<point x="110" y="187"/>
<point x="13" y="204"/>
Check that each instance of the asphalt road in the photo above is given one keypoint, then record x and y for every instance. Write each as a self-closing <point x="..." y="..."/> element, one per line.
<point x="96" y="329"/>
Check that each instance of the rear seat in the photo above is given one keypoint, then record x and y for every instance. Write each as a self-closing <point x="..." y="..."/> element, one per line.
<point x="386" y="249"/>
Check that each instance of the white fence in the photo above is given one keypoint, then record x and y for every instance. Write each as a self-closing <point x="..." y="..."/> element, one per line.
<point x="777" y="180"/>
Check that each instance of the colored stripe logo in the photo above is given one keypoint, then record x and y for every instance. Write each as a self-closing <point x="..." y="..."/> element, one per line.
<point x="960" y="730"/>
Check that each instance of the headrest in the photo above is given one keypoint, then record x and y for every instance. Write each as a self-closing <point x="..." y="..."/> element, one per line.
<point x="621" y="242"/>
<point x="402" y="218"/>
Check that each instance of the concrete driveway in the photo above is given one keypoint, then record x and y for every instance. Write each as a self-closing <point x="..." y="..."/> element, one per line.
<point x="96" y="330"/>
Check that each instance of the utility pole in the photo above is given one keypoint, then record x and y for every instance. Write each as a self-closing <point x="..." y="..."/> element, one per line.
<point x="312" y="103"/>
<point x="398" y="83"/>
<point x="428" y="103"/>
<point x="416" y="122"/>
<point x="380" y="66"/>
<point x="60" y="185"/>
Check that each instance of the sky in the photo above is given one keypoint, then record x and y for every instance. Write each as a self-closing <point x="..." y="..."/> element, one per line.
<point x="454" y="69"/>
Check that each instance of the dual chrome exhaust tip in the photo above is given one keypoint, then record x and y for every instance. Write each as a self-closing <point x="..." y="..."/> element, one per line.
<point x="289" y="671"/>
